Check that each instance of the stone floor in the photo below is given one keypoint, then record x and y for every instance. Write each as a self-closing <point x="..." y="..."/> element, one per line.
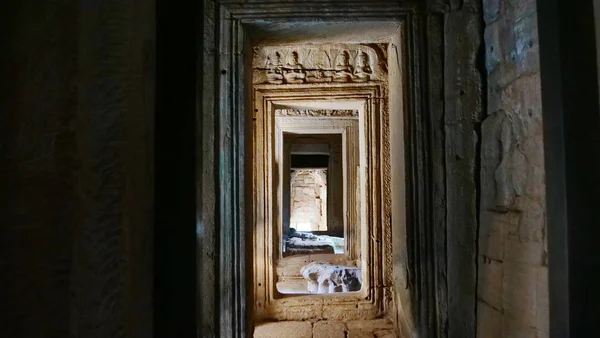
<point x="378" y="328"/>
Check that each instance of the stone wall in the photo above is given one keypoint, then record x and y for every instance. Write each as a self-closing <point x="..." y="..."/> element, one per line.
<point x="513" y="274"/>
<point x="76" y="171"/>
<point x="37" y="168"/>
<point x="309" y="200"/>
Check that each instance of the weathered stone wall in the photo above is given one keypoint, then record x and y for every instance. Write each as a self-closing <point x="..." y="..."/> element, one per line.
<point x="76" y="171"/>
<point x="309" y="200"/>
<point x="462" y="111"/>
<point x="512" y="263"/>
<point x="37" y="167"/>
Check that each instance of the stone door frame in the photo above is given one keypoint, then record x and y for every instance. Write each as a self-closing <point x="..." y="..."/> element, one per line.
<point x="375" y="299"/>
<point x="348" y="128"/>
<point x="224" y="249"/>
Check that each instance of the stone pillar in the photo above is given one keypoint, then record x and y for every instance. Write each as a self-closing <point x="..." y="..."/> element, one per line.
<point x="513" y="276"/>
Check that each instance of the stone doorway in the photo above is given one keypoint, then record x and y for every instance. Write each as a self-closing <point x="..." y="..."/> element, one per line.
<point x="412" y="294"/>
<point x="329" y="99"/>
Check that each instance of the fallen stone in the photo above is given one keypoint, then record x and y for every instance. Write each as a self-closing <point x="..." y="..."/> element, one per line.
<point x="307" y="243"/>
<point x="296" y="245"/>
<point x="329" y="278"/>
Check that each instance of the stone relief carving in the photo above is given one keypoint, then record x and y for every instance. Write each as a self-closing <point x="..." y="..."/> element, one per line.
<point x="318" y="64"/>
<point x="504" y="168"/>
<point x="275" y="70"/>
<point x="293" y="71"/>
<point x="362" y="71"/>
<point x="343" y="70"/>
<point x="319" y="112"/>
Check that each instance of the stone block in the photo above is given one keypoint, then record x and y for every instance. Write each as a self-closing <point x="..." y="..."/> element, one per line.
<point x="493" y="52"/>
<point x="385" y="334"/>
<point x="533" y="221"/>
<point x="358" y="333"/>
<point x="492" y="232"/>
<point x="543" y="306"/>
<point x="491" y="10"/>
<point x="518" y="48"/>
<point x="494" y="93"/>
<point x="489" y="321"/>
<point x="329" y="329"/>
<point x="516" y="9"/>
<point x="523" y="95"/>
<point x="523" y="48"/>
<point x="542" y="334"/>
<point x="503" y="165"/>
<point x="372" y="325"/>
<point x="342" y="312"/>
<point x="519" y="294"/>
<point x="536" y="182"/>
<point x="533" y="148"/>
<point x="523" y="251"/>
<point x="489" y="285"/>
<point x="514" y="328"/>
<point x="284" y="329"/>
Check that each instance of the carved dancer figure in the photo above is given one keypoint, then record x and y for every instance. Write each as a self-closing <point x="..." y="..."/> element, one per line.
<point x="275" y="70"/>
<point x="343" y="70"/>
<point x="362" y="70"/>
<point x="504" y="165"/>
<point x="294" y="71"/>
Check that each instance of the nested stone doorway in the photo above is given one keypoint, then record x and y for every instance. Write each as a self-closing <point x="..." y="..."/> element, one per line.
<point x="401" y="261"/>
<point x="329" y="100"/>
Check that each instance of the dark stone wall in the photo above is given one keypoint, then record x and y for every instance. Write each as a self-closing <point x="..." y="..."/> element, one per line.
<point x="463" y="92"/>
<point x="40" y="204"/>
<point x="76" y="171"/>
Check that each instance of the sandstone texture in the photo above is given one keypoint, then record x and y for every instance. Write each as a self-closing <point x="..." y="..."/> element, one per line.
<point x="512" y="283"/>
<point x="379" y="328"/>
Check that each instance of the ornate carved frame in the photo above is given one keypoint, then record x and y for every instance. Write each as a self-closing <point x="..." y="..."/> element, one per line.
<point x="343" y="122"/>
<point x="224" y="247"/>
<point x="375" y="298"/>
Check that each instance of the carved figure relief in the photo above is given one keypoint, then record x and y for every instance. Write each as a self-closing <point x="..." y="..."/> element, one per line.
<point x="319" y="112"/>
<point x="503" y="162"/>
<point x="320" y="74"/>
<point x="362" y="70"/>
<point x="343" y="70"/>
<point x="275" y="70"/>
<point x="293" y="71"/>
<point x="342" y="63"/>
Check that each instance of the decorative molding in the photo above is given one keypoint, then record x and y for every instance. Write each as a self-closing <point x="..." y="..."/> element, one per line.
<point x="317" y="112"/>
<point x="338" y="63"/>
<point x="367" y="232"/>
<point x="223" y="310"/>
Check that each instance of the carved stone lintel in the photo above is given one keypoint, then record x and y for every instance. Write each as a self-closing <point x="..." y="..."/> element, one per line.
<point x="317" y="112"/>
<point x="319" y="64"/>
